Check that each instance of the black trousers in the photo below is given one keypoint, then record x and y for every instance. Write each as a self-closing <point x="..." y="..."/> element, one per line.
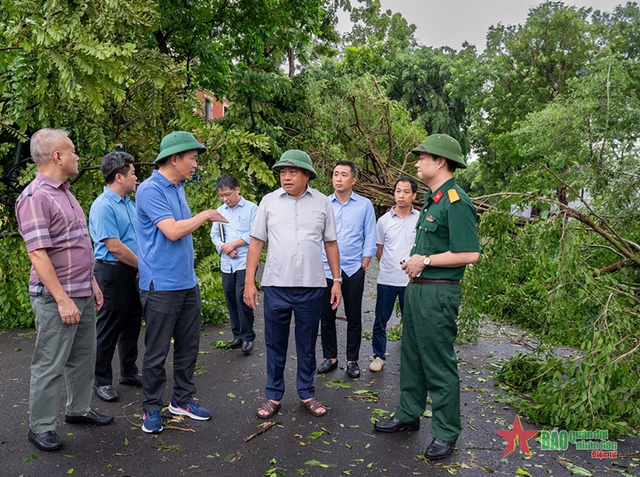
<point x="240" y="315"/>
<point x="170" y="314"/>
<point x="352" y="290"/>
<point x="118" y="322"/>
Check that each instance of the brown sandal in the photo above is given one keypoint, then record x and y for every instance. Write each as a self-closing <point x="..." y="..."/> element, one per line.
<point x="315" y="407"/>
<point x="269" y="407"/>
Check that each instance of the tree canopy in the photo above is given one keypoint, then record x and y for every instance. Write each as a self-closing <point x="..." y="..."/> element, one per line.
<point x="548" y="115"/>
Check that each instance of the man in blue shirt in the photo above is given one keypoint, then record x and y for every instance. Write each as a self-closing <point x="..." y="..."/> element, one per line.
<point x="112" y="224"/>
<point x="356" y="225"/>
<point x="168" y="284"/>
<point x="232" y="242"/>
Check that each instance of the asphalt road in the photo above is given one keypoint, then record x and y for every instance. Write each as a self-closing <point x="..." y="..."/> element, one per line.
<point x="341" y="443"/>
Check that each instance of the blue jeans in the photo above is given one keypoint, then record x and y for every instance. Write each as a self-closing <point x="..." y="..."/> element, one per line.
<point x="384" y="307"/>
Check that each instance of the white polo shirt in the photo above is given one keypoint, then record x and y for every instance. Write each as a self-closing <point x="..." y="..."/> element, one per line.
<point x="397" y="236"/>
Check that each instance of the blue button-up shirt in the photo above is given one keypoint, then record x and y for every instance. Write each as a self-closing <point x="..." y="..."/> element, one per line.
<point x="168" y="264"/>
<point x="112" y="216"/>
<point x="240" y="219"/>
<point x="356" y="225"/>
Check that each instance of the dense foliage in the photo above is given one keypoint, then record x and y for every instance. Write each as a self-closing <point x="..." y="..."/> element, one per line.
<point x="549" y="112"/>
<point x="560" y="132"/>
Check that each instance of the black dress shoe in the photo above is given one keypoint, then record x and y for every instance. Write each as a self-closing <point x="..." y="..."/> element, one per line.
<point x="235" y="344"/>
<point x="394" y="425"/>
<point x="247" y="346"/>
<point x="92" y="417"/>
<point x="46" y="441"/>
<point x="439" y="449"/>
<point x="106" y="393"/>
<point x="326" y="366"/>
<point x="132" y="380"/>
<point x="353" y="370"/>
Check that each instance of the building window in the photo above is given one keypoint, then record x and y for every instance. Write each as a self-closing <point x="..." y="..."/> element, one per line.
<point x="208" y="109"/>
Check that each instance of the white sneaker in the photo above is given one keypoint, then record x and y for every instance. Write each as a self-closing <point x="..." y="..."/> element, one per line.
<point x="376" y="365"/>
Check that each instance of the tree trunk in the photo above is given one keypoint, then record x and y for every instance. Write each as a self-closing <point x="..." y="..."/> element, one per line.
<point x="292" y="62"/>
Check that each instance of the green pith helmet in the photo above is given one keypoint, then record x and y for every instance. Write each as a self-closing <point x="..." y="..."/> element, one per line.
<point x="177" y="142"/>
<point x="296" y="158"/>
<point x="442" y="145"/>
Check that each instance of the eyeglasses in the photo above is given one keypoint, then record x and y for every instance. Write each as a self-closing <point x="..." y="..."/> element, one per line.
<point x="225" y="195"/>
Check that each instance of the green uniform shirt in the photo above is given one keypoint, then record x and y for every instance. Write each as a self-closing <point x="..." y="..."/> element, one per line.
<point x="447" y="223"/>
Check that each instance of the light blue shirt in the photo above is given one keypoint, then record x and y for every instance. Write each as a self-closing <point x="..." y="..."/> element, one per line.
<point x="240" y="219"/>
<point x="112" y="217"/>
<point x="356" y="226"/>
<point x="168" y="264"/>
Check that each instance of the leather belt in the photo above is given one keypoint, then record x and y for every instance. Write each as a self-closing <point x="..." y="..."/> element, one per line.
<point x="429" y="280"/>
<point x="116" y="264"/>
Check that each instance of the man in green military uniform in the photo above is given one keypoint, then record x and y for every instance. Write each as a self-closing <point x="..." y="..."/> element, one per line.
<point x="446" y="241"/>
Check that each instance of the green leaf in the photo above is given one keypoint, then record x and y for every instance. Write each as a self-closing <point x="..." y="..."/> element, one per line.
<point x="317" y="463"/>
<point x="337" y="383"/>
<point x="574" y="469"/>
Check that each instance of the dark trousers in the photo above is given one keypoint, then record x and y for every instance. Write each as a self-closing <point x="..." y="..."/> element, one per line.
<point x="118" y="322"/>
<point x="279" y="304"/>
<point x="240" y="315"/>
<point x="170" y="314"/>
<point x="352" y="290"/>
<point x="385" y="301"/>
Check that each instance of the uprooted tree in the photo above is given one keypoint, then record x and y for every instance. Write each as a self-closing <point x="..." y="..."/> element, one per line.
<point x="552" y="109"/>
<point x="570" y="273"/>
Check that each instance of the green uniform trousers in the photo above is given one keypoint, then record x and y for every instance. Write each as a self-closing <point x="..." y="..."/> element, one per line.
<point x="428" y="361"/>
<point x="61" y="352"/>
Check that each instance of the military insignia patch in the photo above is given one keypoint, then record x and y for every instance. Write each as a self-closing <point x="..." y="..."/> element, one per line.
<point x="430" y="218"/>
<point x="437" y="197"/>
<point x="453" y="195"/>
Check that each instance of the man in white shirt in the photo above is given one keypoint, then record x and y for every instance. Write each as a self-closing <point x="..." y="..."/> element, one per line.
<point x="396" y="231"/>
<point x="296" y="220"/>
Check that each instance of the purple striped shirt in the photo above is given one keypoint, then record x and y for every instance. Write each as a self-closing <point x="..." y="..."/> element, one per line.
<point x="51" y="218"/>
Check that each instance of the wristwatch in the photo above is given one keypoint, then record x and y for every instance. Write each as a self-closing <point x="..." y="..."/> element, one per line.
<point x="427" y="260"/>
<point x="338" y="279"/>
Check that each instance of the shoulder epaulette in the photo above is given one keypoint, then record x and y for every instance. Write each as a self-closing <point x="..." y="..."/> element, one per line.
<point x="453" y="195"/>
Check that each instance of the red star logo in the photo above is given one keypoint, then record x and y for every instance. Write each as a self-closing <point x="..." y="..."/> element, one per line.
<point x="517" y="434"/>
